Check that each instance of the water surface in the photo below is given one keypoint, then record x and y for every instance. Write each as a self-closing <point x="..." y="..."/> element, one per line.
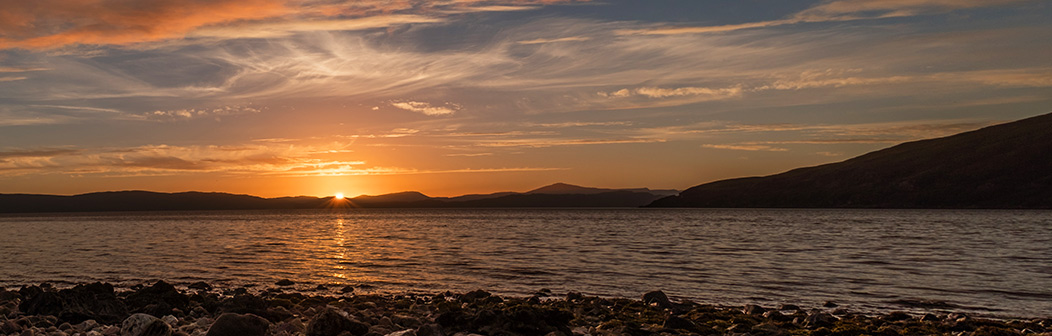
<point x="990" y="262"/>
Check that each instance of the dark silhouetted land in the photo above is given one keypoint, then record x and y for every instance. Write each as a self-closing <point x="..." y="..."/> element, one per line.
<point x="556" y="195"/>
<point x="1007" y="166"/>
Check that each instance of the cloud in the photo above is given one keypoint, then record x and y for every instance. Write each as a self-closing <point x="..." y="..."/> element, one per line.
<point x="542" y="143"/>
<point x="11" y="79"/>
<point x="285" y="28"/>
<point x="36" y="153"/>
<point x="13" y="69"/>
<point x="427" y="108"/>
<point x="45" y="24"/>
<point x="656" y="92"/>
<point x="582" y="124"/>
<point x="193" y="113"/>
<point x="50" y="24"/>
<point x="837" y="10"/>
<point x="751" y="148"/>
<point x="234" y="161"/>
<point x="555" y="40"/>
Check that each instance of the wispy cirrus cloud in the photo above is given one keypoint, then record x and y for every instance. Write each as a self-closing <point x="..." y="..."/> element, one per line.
<point x="837" y="10"/>
<point x="234" y="160"/>
<point x="743" y="147"/>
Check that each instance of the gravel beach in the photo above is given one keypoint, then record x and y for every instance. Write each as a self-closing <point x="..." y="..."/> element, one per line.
<point x="284" y="309"/>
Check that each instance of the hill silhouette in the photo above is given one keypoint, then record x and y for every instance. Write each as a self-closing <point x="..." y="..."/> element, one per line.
<point x="155" y="201"/>
<point x="1002" y="166"/>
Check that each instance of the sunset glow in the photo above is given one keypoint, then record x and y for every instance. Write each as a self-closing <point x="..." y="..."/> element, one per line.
<point x="296" y="97"/>
<point x="338" y="196"/>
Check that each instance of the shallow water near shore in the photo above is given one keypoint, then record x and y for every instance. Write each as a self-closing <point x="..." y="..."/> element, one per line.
<point x="995" y="263"/>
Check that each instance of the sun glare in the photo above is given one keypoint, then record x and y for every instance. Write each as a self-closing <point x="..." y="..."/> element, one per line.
<point x="338" y="196"/>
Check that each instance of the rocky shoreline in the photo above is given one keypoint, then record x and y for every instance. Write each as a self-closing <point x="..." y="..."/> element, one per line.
<point x="162" y="309"/>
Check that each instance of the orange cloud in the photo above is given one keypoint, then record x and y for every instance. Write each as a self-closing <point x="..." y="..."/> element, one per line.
<point x="48" y="24"/>
<point x="43" y="24"/>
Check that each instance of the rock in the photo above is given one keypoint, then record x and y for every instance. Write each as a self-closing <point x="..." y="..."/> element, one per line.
<point x="144" y="325"/>
<point x="200" y="285"/>
<point x="407" y="332"/>
<point x="230" y="324"/>
<point x="172" y="321"/>
<point x="775" y="315"/>
<point x="429" y="330"/>
<point x="330" y="322"/>
<point x="829" y="304"/>
<point x="88" y="325"/>
<point x="676" y="322"/>
<point x="574" y="296"/>
<point x="767" y="329"/>
<point x="285" y="283"/>
<point x="347" y="289"/>
<point x="897" y="316"/>
<point x="789" y="307"/>
<point x="96" y="301"/>
<point x="816" y="320"/>
<point x="475" y="295"/>
<point x="658" y="298"/>
<point x="158" y="300"/>
<point x="753" y="310"/>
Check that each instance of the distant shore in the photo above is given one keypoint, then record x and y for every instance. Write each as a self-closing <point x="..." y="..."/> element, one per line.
<point x="162" y="309"/>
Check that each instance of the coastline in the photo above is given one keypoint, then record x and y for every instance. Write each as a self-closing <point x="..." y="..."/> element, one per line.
<point x="162" y="309"/>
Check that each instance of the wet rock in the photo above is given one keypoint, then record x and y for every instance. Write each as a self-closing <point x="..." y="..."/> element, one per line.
<point x="200" y="285"/>
<point x="816" y="320"/>
<point x="475" y="295"/>
<point x="284" y="283"/>
<point x="347" y="289"/>
<point x="158" y="300"/>
<point x="775" y="315"/>
<point x="574" y="296"/>
<point x="753" y="310"/>
<point x="96" y="301"/>
<point x="231" y="324"/>
<point x="144" y="325"/>
<point x="929" y="318"/>
<point x="830" y="304"/>
<point x="657" y="298"/>
<point x="330" y="322"/>
<point x="676" y="322"/>
<point x="767" y="329"/>
<point x="897" y="316"/>
<point x="788" y="307"/>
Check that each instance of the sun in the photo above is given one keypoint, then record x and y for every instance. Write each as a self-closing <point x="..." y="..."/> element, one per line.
<point x="338" y="196"/>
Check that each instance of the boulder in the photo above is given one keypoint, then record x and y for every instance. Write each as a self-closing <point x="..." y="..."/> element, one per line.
<point x="144" y="325"/>
<point x="230" y="324"/>
<point x="330" y="322"/>
<point x="658" y="298"/>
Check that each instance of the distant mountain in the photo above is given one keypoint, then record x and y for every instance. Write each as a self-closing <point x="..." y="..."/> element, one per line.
<point x="1001" y="166"/>
<point x="154" y="201"/>
<point x="569" y="189"/>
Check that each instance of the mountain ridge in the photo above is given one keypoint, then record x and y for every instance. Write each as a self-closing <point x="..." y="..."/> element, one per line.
<point x="141" y="200"/>
<point x="1002" y="166"/>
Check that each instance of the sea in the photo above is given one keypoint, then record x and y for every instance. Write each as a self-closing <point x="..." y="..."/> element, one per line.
<point x="995" y="263"/>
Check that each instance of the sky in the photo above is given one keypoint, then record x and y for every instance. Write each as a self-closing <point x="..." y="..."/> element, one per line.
<point x="448" y="97"/>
